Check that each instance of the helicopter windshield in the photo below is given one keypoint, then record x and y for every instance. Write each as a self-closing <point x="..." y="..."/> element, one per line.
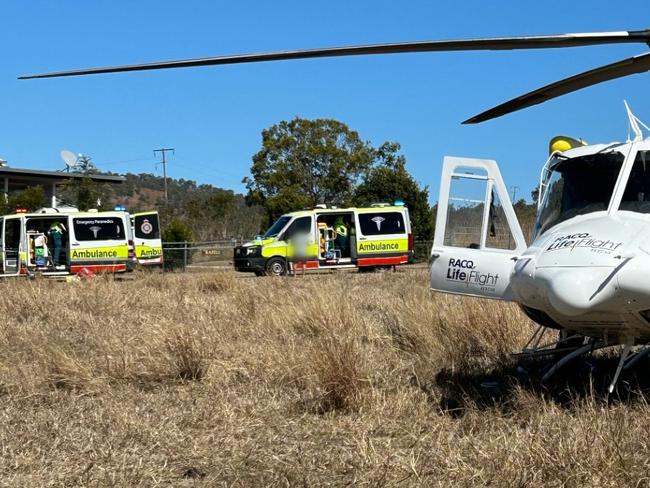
<point x="275" y="229"/>
<point x="578" y="186"/>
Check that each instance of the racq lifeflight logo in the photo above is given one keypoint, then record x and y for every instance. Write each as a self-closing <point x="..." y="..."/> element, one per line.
<point x="583" y="240"/>
<point x="464" y="271"/>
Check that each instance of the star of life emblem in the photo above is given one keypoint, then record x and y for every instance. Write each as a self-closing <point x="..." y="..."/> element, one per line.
<point x="378" y="220"/>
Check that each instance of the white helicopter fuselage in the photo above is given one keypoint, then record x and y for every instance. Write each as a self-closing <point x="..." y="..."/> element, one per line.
<point x="589" y="275"/>
<point x="587" y="270"/>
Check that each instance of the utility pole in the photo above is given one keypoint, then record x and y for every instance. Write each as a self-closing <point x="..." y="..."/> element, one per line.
<point x="163" y="151"/>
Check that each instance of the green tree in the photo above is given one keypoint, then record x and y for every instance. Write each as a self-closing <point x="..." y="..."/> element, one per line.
<point x="176" y="231"/>
<point x="389" y="181"/>
<point x="306" y="162"/>
<point x="31" y="198"/>
<point x="84" y="193"/>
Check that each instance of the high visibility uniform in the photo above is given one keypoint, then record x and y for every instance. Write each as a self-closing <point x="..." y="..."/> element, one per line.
<point x="341" y="235"/>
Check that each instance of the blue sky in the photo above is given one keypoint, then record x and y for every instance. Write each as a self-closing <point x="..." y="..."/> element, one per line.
<point x="214" y="116"/>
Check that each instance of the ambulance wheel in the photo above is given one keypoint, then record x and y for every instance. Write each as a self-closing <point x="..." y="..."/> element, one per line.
<point x="276" y="267"/>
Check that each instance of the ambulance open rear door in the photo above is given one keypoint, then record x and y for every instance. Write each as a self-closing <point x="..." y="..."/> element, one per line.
<point x="147" y="241"/>
<point x="11" y="245"/>
<point x="478" y="237"/>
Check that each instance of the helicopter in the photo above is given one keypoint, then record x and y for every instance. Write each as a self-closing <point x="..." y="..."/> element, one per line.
<point x="584" y="273"/>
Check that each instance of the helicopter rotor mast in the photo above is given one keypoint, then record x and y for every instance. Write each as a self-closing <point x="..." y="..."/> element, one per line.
<point x="637" y="64"/>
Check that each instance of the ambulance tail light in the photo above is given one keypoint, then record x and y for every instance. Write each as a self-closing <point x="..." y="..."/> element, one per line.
<point x="411" y="242"/>
<point x="131" y="250"/>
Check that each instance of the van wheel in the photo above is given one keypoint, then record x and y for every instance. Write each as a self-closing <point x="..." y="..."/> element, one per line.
<point x="276" y="267"/>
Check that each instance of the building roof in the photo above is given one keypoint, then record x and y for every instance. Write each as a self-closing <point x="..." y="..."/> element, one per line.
<point x="40" y="176"/>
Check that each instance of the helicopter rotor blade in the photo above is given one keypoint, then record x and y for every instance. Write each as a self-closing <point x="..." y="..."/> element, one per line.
<point x="628" y="66"/>
<point x="488" y="44"/>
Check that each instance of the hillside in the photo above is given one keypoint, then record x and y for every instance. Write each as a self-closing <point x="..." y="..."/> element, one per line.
<point x="211" y="212"/>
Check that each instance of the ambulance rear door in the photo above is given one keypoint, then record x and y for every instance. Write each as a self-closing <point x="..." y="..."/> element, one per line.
<point x="99" y="240"/>
<point x="147" y="240"/>
<point x="382" y="235"/>
<point x="478" y="238"/>
<point x="12" y="237"/>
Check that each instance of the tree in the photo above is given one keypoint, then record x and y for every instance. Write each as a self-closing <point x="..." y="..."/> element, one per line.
<point x="389" y="181"/>
<point x="177" y="231"/>
<point x="31" y="198"/>
<point x="306" y="162"/>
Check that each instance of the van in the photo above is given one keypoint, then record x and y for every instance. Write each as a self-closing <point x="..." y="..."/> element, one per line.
<point x="90" y="242"/>
<point x="145" y="227"/>
<point x="330" y="238"/>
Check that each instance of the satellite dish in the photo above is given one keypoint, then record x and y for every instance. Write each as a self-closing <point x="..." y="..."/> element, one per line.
<point x="69" y="158"/>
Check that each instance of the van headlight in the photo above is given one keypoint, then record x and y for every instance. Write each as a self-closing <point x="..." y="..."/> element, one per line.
<point x="253" y="250"/>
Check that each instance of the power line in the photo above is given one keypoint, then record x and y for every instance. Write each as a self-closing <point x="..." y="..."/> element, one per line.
<point x="163" y="151"/>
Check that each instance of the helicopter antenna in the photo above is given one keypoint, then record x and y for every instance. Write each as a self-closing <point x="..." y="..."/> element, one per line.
<point x="634" y="122"/>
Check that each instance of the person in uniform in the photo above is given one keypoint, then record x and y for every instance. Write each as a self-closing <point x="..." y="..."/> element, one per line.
<point x="341" y="235"/>
<point x="56" y="233"/>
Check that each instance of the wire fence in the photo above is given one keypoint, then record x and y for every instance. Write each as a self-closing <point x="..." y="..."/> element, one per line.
<point x="181" y="256"/>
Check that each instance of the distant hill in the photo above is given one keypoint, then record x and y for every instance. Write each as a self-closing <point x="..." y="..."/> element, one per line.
<point x="211" y="212"/>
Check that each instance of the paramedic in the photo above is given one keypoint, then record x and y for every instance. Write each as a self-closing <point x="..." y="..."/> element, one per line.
<point x="56" y="232"/>
<point x="341" y="235"/>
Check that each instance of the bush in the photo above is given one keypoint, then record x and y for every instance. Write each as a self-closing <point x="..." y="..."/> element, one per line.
<point x="176" y="231"/>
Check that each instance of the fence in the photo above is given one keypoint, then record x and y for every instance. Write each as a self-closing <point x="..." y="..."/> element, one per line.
<point x="215" y="254"/>
<point x="180" y="255"/>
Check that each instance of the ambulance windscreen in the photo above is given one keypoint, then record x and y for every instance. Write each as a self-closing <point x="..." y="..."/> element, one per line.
<point x="275" y="229"/>
<point x="578" y="186"/>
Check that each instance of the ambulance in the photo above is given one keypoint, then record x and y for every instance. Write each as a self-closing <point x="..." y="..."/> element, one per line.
<point x="145" y="229"/>
<point x="90" y="242"/>
<point x="330" y="238"/>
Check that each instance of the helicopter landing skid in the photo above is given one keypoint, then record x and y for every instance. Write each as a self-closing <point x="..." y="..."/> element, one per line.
<point x="535" y="348"/>
<point x="569" y="348"/>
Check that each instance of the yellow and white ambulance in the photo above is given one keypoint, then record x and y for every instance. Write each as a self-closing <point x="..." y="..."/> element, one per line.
<point x="330" y="238"/>
<point x="61" y="241"/>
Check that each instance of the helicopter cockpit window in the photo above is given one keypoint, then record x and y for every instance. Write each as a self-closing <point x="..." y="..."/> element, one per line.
<point x="636" y="197"/>
<point x="579" y="186"/>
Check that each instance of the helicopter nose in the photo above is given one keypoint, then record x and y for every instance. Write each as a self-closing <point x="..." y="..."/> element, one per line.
<point x="578" y="290"/>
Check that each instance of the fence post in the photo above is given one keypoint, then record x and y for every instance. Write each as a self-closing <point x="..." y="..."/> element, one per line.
<point x="184" y="255"/>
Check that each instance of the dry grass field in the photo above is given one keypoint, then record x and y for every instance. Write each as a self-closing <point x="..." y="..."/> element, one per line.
<point x="331" y="380"/>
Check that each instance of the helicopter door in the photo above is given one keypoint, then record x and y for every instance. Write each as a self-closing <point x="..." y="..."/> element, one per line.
<point x="477" y="233"/>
